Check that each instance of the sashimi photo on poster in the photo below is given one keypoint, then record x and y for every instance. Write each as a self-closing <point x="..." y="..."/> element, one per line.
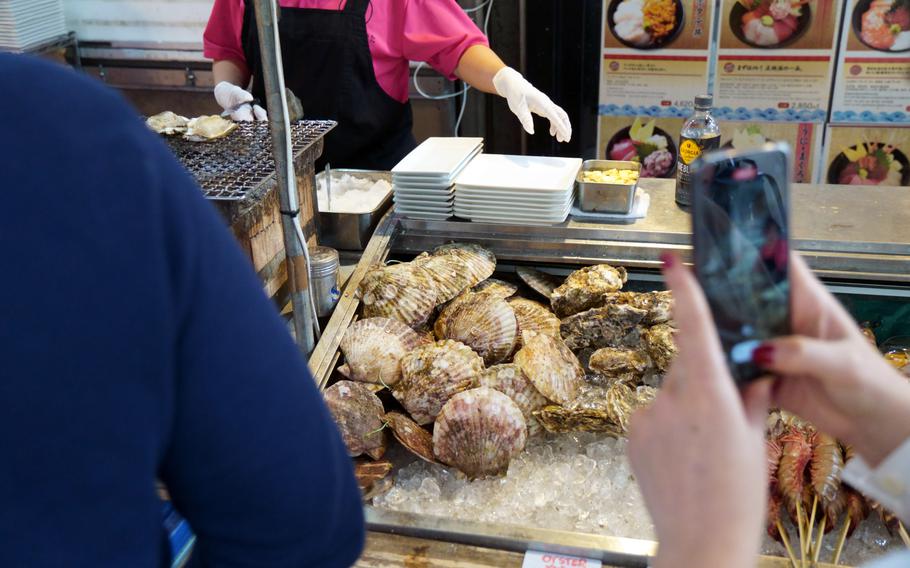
<point x="646" y="140"/>
<point x="873" y="78"/>
<point x="867" y="156"/>
<point x="803" y="138"/>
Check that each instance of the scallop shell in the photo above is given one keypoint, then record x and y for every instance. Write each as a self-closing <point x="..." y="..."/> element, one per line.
<point x="497" y="288"/>
<point x="478" y="262"/>
<point x="540" y="282"/>
<point x="551" y="366"/>
<point x="207" y="128"/>
<point x="447" y="275"/>
<point x="411" y="436"/>
<point x="584" y="289"/>
<point x="534" y="316"/>
<point x="479" y="431"/>
<point x="512" y="382"/>
<point x="401" y="292"/>
<point x="432" y="374"/>
<point x="487" y="325"/>
<point x="369" y="472"/>
<point x="373" y="349"/>
<point x="358" y="413"/>
<point x="441" y="327"/>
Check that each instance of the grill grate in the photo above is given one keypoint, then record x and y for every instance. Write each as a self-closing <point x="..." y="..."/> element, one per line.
<point x="235" y="166"/>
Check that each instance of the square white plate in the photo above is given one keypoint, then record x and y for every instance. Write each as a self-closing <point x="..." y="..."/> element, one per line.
<point x="422" y="201"/>
<point x="514" y="199"/>
<point x="420" y="215"/>
<point x="532" y="173"/>
<point x="424" y="193"/>
<point x="438" y="156"/>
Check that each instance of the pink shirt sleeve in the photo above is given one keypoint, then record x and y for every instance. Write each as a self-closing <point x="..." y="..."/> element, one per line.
<point x="438" y="32"/>
<point x="221" y="39"/>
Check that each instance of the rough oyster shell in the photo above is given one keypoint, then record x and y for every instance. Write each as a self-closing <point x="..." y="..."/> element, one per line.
<point x="167" y="123"/>
<point x="658" y="340"/>
<point x="369" y="472"/>
<point x="401" y="292"/>
<point x="658" y="304"/>
<point x="584" y="288"/>
<point x="373" y="349"/>
<point x="487" y="325"/>
<point x="478" y="262"/>
<point x="540" y="282"/>
<point x="597" y="409"/>
<point x="619" y="361"/>
<point x="411" y="436"/>
<point x="479" y="431"/>
<point x="497" y="288"/>
<point x="358" y="413"/>
<point x="534" y="316"/>
<point x="432" y="374"/>
<point x="447" y="275"/>
<point x="551" y="367"/>
<point x="206" y="128"/>
<point x="607" y="326"/>
<point x="559" y="420"/>
<point x="512" y="382"/>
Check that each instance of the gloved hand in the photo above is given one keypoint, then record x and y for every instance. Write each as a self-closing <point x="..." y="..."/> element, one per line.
<point x="524" y="99"/>
<point x="233" y="98"/>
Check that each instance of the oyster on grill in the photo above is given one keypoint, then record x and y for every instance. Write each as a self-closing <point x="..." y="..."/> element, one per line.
<point x="607" y="326"/>
<point x="534" y="316"/>
<point x="619" y="362"/>
<point x="512" y="382"/>
<point x="551" y="366"/>
<point x="496" y="287"/>
<point x="658" y="305"/>
<point x="206" y="128"/>
<point x="373" y="349"/>
<point x="584" y="288"/>
<point x="540" y="282"/>
<point x="658" y="340"/>
<point x="167" y="123"/>
<point x="479" y="431"/>
<point x="358" y="413"/>
<point x="411" y="435"/>
<point x="401" y="292"/>
<point x="487" y="325"/>
<point x="431" y="374"/>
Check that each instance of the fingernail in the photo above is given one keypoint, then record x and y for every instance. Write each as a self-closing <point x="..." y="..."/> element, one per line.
<point x="668" y="259"/>
<point x="763" y="356"/>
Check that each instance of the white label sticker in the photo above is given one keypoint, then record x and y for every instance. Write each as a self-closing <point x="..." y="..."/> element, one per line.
<point x="536" y="559"/>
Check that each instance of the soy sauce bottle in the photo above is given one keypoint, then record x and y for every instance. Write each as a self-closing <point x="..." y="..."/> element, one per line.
<point x="700" y="134"/>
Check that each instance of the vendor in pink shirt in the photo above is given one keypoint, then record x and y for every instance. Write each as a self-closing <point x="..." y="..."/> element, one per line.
<point x="348" y="60"/>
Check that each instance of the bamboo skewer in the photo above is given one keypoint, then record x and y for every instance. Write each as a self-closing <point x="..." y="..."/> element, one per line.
<point x="903" y="532"/>
<point x="786" y="539"/>
<point x="821" y="537"/>
<point x="840" y="541"/>
<point x="810" y="533"/>
<point x="802" y="533"/>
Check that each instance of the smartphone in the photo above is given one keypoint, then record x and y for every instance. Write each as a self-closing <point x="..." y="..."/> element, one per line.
<point x="740" y="233"/>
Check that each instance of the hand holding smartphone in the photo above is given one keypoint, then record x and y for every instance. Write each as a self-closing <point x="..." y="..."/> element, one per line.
<point x="740" y="228"/>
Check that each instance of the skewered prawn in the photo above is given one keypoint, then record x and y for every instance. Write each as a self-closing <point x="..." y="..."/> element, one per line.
<point x="791" y="473"/>
<point x="825" y="471"/>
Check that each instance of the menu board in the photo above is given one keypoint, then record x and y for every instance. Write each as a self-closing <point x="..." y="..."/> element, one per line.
<point x="656" y="56"/>
<point x="651" y="141"/>
<point x="775" y="59"/>
<point x="804" y="139"/>
<point x="873" y="74"/>
<point x="867" y="155"/>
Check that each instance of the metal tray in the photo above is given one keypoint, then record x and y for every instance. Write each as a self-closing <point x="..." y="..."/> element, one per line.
<point x="352" y="231"/>
<point x="606" y="197"/>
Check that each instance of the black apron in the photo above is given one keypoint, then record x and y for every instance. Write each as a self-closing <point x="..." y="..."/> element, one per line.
<point x="327" y="64"/>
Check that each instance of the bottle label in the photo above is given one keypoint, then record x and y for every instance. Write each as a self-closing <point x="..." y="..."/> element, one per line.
<point x="689" y="151"/>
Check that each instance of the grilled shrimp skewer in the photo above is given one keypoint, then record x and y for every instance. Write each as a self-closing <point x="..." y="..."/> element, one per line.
<point x="824" y="474"/>
<point x="791" y="477"/>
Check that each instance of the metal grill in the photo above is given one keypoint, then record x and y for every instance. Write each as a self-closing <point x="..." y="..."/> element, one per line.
<point x="231" y="168"/>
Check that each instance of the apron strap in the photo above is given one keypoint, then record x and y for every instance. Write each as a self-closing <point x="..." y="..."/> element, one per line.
<point x="358" y="7"/>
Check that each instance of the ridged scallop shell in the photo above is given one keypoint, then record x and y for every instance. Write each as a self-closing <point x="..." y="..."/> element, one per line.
<point x="534" y="316"/>
<point x="512" y="382"/>
<point x="447" y="275"/>
<point x="585" y="288"/>
<point x="401" y="292"/>
<point x="479" y="432"/>
<point x="551" y="366"/>
<point x="540" y="282"/>
<point x="432" y="374"/>
<point x="487" y="325"/>
<point x="358" y="414"/>
<point x="373" y="349"/>
<point x="411" y="435"/>
<point x="497" y="288"/>
<point x="478" y="262"/>
<point x="441" y="327"/>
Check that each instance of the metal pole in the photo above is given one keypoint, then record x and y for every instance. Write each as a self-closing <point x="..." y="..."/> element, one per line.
<point x="294" y="243"/>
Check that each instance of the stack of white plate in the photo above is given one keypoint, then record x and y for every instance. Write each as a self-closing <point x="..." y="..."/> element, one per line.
<point x="422" y="182"/>
<point x="28" y="23"/>
<point x="517" y="190"/>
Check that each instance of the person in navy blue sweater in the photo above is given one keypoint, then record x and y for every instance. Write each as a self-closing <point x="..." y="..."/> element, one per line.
<point x="136" y="344"/>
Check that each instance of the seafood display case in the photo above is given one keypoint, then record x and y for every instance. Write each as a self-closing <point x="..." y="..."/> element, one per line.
<point x="571" y="492"/>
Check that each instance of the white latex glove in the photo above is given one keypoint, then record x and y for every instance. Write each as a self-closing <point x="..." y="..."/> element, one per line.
<point x="524" y="99"/>
<point x="233" y="98"/>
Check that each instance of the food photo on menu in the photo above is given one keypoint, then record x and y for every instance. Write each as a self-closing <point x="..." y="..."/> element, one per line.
<point x="645" y="24"/>
<point x="645" y="143"/>
<point x="770" y="23"/>
<point x="867" y="156"/>
<point x="883" y="25"/>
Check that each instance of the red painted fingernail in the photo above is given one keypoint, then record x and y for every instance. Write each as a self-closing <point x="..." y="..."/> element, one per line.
<point x="668" y="259"/>
<point x="763" y="356"/>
